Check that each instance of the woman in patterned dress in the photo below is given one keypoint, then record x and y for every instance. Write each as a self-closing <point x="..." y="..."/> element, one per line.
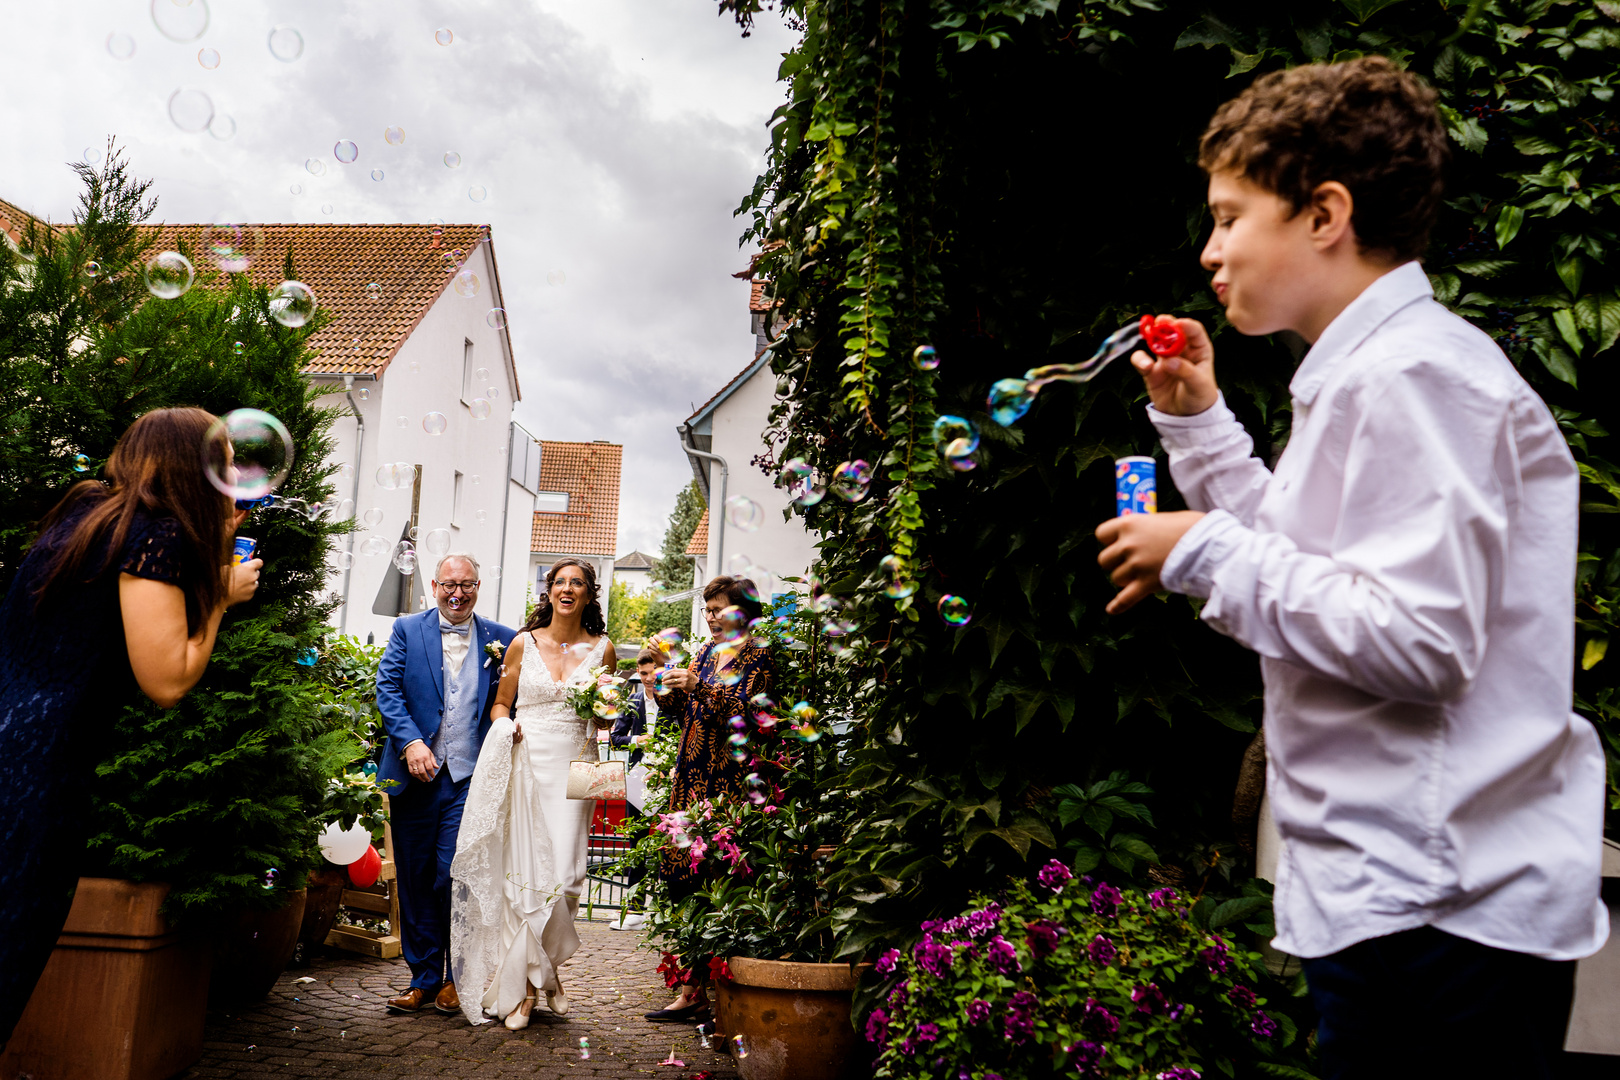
<point x="705" y="695"/>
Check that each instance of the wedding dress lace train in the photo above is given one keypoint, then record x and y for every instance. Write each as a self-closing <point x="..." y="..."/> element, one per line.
<point x="520" y="862"/>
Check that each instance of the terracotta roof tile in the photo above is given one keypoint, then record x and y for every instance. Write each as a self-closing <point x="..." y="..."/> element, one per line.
<point x="756" y="297"/>
<point x="12" y="220"/>
<point x="589" y="472"/>
<point x="700" y="537"/>
<point x="636" y="560"/>
<point x="410" y="266"/>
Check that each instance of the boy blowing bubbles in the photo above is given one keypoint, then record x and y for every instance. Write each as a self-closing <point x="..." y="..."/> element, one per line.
<point x="1406" y="575"/>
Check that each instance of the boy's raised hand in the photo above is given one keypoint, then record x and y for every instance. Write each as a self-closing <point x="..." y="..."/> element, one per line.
<point x="1181" y="385"/>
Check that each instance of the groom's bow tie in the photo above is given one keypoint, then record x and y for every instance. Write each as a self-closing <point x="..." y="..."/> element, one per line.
<point x="448" y="627"/>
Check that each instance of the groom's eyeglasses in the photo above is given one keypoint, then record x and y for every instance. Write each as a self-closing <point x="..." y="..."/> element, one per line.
<point x="462" y="586"/>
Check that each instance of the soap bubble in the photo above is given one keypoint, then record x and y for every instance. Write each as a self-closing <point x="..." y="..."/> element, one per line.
<point x="292" y="303"/>
<point x="799" y="480"/>
<point x="739" y="1047"/>
<point x="373" y="545"/>
<point x="955" y="437"/>
<point x="495" y="573"/>
<point x="852" y="480"/>
<point x="496" y="318"/>
<point x="237" y="347"/>
<point x="345" y="151"/>
<point x="341" y="511"/>
<point x="478" y="193"/>
<point x="208" y="58"/>
<point x="270" y="877"/>
<point x="955" y="610"/>
<point x="232" y="247"/>
<point x="962" y="464"/>
<point x="924" y="358"/>
<point x="296" y="189"/>
<point x="744" y="513"/>
<point x="556" y="277"/>
<point x="434" y="423"/>
<point x="670" y="643"/>
<point x="191" y="110"/>
<point x="91" y="155"/>
<point x="222" y="126"/>
<point x="388" y="476"/>
<point x="476" y="479"/>
<point x="263" y="453"/>
<point x="413" y="531"/>
<point x="286" y="44"/>
<point x="443" y="35"/>
<point x="315" y="166"/>
<point x="467" y="284"/>
<point x="120" y="46"/>
<point x="180" y="20"/>
<point x="492" y="392"/>
<point x="407" y="472"/>
<point x="482" y="374"/>
<point x="1009" y="400"/>
<point x="898" y="581"/>
<point x="81" y="463"/>
<point x="168" y="273"/>
<point x="402" y="421"/>
<point x="92" y="269"/>
<point x="437" y="542"/>
<point x="479" y="408"/>
<point x="452" y="160"/>
<point x="584" y="1043"/>
<point x="326" y="208"/>
<point x="394" y="136"/>
<point x="405" y="561"/>
<point x="374" y="291"/>
<point x="376" y="174"/>
<point x="480" y="516"/>
<point x="609" y="703"/>
<point x="340" y="560"/>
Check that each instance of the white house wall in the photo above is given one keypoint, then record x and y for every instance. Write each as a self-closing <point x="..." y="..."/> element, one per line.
<point x="475" y="448"/>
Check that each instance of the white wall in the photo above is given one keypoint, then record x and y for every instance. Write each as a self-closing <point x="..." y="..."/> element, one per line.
<point x="476" y="448"/>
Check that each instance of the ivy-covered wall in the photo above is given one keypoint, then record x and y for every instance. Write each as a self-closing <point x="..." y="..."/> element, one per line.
<point x="1011" y="181"/>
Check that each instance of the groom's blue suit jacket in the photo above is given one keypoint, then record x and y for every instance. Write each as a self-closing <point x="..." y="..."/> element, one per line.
<point x="410" y="686"/>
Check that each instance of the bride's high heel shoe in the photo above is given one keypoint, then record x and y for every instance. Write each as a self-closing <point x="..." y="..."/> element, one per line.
<point x="557" y="1001"/>
<point x="518" y="1018"/>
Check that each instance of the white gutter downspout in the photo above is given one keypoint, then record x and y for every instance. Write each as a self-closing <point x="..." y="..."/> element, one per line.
<point x="716" y="521"/>
<point x="354" y="497"/>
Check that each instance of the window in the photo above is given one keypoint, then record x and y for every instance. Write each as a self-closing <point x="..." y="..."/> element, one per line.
<point x="456" y="503"/>
<point x="467" y="369"/>
<point x="551" y="502"/>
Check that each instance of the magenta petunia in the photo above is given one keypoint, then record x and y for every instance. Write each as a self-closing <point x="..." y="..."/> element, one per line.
<point x="877" y="1027"/>
<point x="1162" y="897"/>
<point x="885" y="963"/>
<point x="1241" y="996"/>
<point x="977" y="1010"/>
<point x="1098" y="1020"/>
<point x="1043" y="938"/>
<point x="1105" y="900"/>
<point x="1102" y="951"/>
<point x="1054" y="875"/>
<point x="1263" y="1026"/>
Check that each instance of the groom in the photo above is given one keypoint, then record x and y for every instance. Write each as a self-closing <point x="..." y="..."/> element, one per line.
<point x="435" y="686"/>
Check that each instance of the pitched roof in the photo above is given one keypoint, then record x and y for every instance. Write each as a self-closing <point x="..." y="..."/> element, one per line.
<point x="759" y="361"/>
<point x="12" y="220"/>
<point x="411" y="267"/>
<point x="756" y="297"/>
<point x="589" y="472"/>
<point x="636" y="560"/>
<point x="700" y="536"/>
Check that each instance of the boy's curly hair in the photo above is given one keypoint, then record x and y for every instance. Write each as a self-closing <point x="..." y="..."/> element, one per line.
<point x="1365" y="123"/>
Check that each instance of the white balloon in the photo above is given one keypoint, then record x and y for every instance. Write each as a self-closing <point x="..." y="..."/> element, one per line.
<point x="344" y="846"/>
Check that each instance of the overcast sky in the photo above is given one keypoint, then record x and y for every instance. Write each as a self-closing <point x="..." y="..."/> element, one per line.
<point x="614" y="138"/>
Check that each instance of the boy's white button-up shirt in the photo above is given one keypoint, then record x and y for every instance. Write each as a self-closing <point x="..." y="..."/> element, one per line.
<point x="1407" y="576"/>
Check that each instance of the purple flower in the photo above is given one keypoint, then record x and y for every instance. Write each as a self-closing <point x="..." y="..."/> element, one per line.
<point x="1105" y="900"/>
<point x="1102" y="951"/>
<point x="897" y="996"/>
<point x="979" y="924"/>
<point x="927" y="1033"/>
<point x="1214" y="957"/>
<point x="1241" y="996"/>
<point x="1003" y="956"/>
<point x="932" y="956"/>
<point x="1162" y="897"/>
<point x="877" y="1027"/>
<point x="1098" y="1020"/>
<point x="1263" y="1026"/>
<point x="1020" y="1022"/>
<point x="977" y="1010"/>
<point x="1054" y="875"/>
<point x="1176" y="1012"/>
<point x="1180" y="1072"/>
<point x="1088" y="1056"/>
<point x="1043" y="938"/>
<point x="930" y="925"/>
<point x="1150" y="999"/>
<point x="886" y="962"/>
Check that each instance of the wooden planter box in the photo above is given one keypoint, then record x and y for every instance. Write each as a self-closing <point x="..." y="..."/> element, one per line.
<point x="123" y="996"/>
<point x="794" y="1018"/>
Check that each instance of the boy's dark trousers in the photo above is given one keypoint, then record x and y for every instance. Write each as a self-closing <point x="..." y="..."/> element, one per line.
<point x="1426" y="1003"/>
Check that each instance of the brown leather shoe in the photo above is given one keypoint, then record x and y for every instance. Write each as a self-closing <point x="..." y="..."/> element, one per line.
<point x="448" y="1001"/>
<point x="410" y="1001"/>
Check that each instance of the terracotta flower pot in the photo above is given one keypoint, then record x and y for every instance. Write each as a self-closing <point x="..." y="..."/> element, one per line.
<point x="793" y="1019"/>
<point x="252" y="949"/>
<point x="123" y="997"/>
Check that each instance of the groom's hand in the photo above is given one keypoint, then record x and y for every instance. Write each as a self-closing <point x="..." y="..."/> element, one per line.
<point x="419" y="762"/>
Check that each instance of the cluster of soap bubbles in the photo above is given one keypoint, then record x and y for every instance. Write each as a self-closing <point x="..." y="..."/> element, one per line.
<point x="233" y="247"/>
<point x="898" y="581"/>
<point x="956" y="439"/>
<point x="744" y="513"/>
<point x="609" y="701"/>
<point x="391" y="476"/>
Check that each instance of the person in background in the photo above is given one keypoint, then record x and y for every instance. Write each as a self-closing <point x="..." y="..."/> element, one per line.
<point x="723" y="675"/>
<point x="634" y="729"/>
<point x="124" y="587"/>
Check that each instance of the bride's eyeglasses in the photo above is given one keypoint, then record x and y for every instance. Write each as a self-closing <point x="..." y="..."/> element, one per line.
<point x="463" y="586"/>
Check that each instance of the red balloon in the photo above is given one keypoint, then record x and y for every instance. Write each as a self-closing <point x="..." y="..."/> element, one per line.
<point x="364" y="870"/>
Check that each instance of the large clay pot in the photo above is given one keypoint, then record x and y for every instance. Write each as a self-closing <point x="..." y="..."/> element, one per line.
<point x="123" y="996"/>
<point x="793" y="1019"/>
<point x="252" y="949"/>
<point x="323" y="896"/>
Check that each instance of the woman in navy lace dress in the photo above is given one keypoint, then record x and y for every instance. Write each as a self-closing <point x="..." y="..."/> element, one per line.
<point x="124" y="586"/>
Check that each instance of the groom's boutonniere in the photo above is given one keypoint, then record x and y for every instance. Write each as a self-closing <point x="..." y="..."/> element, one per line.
<point x="494" y="653"/>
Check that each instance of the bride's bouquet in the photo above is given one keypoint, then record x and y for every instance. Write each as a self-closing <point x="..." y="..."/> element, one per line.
<point x="602" y="698"/>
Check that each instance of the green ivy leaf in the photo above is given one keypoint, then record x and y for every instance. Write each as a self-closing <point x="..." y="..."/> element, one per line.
<point x="1564" y="319"/>
<point x="1557" y="361"/>
<point x="1570" y="272"/>
<point x="1507" y="225"/>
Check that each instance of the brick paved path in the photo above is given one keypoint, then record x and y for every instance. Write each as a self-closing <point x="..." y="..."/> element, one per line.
<point x="337" y="1028"/>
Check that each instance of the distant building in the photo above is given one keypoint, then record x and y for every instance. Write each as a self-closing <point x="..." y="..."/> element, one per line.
<point x="634" y="570"/>
<point x="576" y="510"/>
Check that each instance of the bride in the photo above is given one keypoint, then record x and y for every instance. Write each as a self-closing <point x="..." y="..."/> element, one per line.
<point x="520" y="858"/>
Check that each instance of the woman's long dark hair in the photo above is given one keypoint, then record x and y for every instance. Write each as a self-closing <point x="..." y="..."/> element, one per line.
<point x="157" y="467"/>
<point x="590" y="617"/>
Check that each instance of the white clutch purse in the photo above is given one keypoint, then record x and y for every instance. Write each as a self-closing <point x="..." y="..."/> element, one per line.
<point x="596" y="779"/>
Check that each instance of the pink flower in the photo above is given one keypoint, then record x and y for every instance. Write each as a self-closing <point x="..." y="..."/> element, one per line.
<point x="699" y="848"/>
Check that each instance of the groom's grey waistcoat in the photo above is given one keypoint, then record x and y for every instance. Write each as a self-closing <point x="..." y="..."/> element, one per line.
<point x="456" y="742"/>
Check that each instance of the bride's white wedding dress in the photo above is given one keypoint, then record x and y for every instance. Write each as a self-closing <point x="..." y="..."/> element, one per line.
<point x="520" y="858"/>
